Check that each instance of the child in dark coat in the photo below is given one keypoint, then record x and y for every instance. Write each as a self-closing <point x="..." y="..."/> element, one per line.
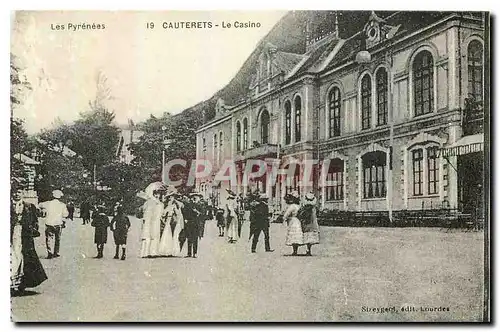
<point x="120" y="226"/>
<point x="219" y="216"/>
<point x="101" y="223"/>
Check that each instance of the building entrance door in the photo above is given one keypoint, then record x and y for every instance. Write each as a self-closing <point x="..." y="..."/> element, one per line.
<point x="470" y="183"/>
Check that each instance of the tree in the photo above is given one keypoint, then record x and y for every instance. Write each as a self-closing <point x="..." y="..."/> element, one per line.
<point x="18" y="136"/>
<point x="93" y="137"/>
<point x="180" y="130"/>
<point x="18" y="144"/>
<point x="62" y="172"/>
<point x="18" y="83"/>
<point x="123" y="181"/>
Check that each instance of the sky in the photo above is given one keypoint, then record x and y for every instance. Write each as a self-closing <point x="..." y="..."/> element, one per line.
<point x="147" y="71"/>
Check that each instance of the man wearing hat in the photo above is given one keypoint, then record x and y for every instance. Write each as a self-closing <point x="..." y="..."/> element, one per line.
<point x="259" y="222"/>
<point x="55" y="212"/>
<point x="191" y="227"/>
<point x="202" y="207"/>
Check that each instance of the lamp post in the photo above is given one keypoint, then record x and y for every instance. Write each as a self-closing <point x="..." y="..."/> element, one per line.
<point x="163" y="129"/>
<point x="165" y="144"/>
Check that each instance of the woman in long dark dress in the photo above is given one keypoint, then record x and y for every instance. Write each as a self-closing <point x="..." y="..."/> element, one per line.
<point x="101" y="223"/>
<point x="309" y="221"/>
<point x="85" y="212"/>
<point x="27" y="270"/>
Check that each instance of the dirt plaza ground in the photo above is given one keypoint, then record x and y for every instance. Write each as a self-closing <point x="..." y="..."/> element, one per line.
<point x="355" y="274"/>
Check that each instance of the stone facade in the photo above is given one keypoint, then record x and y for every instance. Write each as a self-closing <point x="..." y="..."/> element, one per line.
<point x="393" y="140"/>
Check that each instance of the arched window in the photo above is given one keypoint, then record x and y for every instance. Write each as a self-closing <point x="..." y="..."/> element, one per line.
<point x="288" y="122"/>
<point x="475" y="70"/>
<point x="298" y="111"/>
<point x="334" y="112"/>
<point x="238" y="136"/>
<point x="423" y="83"/>
<point x="366" y="102"/>
<point x="245" y="133"/>
<point x="264" y="127"/>
<point x="335" y="177"/>
<point x="374" y="166"/>
<point x="382" y="90"/>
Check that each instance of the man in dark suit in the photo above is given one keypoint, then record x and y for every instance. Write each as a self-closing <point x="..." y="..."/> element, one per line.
<point x="191" y="212"/>
<point x="259" y="222"/>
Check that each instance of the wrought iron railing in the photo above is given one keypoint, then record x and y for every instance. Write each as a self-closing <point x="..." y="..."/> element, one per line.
<point x="472" y="117"/>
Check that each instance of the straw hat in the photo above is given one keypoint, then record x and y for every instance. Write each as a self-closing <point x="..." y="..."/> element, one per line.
<point x="57" y="194"/>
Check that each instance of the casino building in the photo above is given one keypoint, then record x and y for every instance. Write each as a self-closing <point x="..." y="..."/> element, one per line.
<point x="392" y="105"/>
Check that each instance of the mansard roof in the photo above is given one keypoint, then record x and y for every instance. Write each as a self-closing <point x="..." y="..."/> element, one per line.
<point x="289" y="38"/>
<point x="287" y="61"/>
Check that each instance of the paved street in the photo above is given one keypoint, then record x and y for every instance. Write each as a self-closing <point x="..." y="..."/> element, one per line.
<point x="351" y="268"/>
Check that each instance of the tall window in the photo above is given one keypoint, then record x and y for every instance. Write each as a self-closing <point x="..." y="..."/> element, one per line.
<point x="334" y="112"/>
<point x="432" y="171"/>
<point x="418" y="171"/>
<point x="425" y="179"/>
<point x="382" y="89"/>
<point x="265" y="66"/>
<point x="264" y="126"/>
<point x="294" y="183"/>
<point x="366" y="102"/>
<point x="475" y="69"/>
<point x="238" y="136"/>
<point x="374" y="166"/>
<point x="335" y="191"/>
<point x="298" y="111"/>
<point x="245" y="133"/>
<point x="221" y="140"/>
<point x="423" y="83"/>
<point x="216" y="151"/>
<point x="204" y="145"/>
<point x="288" y="122"/>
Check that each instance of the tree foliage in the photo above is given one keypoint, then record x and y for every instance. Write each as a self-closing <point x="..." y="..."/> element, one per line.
<point x="179" y="131"/>
<point x="18" y="137"/>
<point x="58" y="171"/>
<point x="18" y="144"/>
<point x="19" y="85"/>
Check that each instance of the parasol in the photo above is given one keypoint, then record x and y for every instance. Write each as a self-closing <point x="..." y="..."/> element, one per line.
<point x="150" y="189"/>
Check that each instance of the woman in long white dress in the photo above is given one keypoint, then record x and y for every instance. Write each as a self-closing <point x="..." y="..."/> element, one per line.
<point x="231" y="219"/>
<point x="294" y="235"/>
<point x="150" y="237"/>
<point x="174" y="223"/>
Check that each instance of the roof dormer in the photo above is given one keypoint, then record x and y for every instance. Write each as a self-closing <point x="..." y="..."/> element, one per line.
<point x="376" y="30"/>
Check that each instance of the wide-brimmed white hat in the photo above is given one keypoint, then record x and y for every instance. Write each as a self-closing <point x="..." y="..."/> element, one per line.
<point x="310" y="197"/>
<point x="57" y="193"/>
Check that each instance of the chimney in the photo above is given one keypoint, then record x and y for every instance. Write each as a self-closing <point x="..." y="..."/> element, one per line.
<point x="336" y="26"/>
<point x="308" y="33"/>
